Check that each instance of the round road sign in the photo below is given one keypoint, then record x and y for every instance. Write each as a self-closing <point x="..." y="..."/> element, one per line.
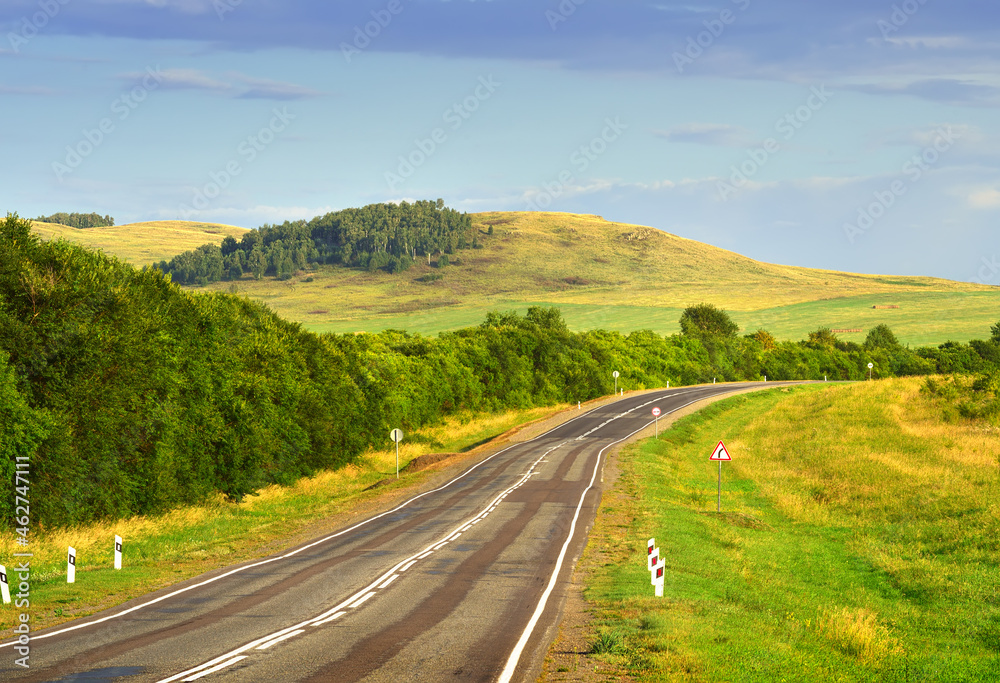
<point x="615" y="374"/>
<point x="871" y="365"/>
<point x="656" y="412"/>
<point x="396" y="435"/>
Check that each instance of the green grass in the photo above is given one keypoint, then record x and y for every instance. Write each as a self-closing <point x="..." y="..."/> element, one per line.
<point x="600" y="273"/>
<point x="918" y="322"/>
<point x="859" y="541"/>
<point x="163" y="550"/>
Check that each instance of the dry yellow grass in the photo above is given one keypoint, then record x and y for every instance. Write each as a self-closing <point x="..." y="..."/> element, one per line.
<point x="602" y="274"/>
<point x="142" y="243"/>
<point x="859" y="540"/>
<point x="857" y="632"/>
<point x="164" y="549"/>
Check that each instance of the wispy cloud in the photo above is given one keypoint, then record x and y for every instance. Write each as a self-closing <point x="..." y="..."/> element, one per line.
<point x="944" y="90"/>
<point x="26" y="90"/>
<point x="232" y="84"/>
<point x="714" y="134"/>
<point x="988" y="198"/>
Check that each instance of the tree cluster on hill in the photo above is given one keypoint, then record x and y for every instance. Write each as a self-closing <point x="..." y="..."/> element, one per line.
<point x="126" y="394"/>
<point x="78" y="220"/>
<point x="376" y="237"/>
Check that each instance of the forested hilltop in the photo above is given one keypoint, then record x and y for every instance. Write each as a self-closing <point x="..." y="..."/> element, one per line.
<point x="376" y="237"/>
<point x="80" y="221"/>
<point x="126" y="394"/>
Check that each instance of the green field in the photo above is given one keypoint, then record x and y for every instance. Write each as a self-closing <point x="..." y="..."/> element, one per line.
<point x="600" y="273"/>
<point x="918" y="322"/>
<point x="859" y="541"/>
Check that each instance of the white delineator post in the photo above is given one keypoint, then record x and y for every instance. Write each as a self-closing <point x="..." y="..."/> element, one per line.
<point x="4" y="588"/>
<point x="71" y="566"/>
<point x="118" y="552"/>
<point x="658" y="579"/>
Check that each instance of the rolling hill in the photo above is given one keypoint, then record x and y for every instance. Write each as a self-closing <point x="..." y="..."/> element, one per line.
<point x="142" y="243"/>
<point x="600" y="273"/>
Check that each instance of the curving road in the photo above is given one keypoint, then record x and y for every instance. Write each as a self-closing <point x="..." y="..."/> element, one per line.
<point x="459" y="583"/>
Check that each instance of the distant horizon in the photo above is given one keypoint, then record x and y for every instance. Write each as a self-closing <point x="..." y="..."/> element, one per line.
<point x="568" y="213"/>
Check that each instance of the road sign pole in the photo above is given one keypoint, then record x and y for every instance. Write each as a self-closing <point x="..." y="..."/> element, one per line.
<point x="718" y="507"/>
<point x="397" y="436"/>
<point x="656" y="428"/>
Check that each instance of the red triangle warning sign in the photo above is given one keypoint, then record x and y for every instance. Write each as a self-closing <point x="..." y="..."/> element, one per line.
<point x="720" y="453"/>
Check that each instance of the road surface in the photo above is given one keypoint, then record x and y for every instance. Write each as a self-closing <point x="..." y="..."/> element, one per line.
<point x="460" y="583"/>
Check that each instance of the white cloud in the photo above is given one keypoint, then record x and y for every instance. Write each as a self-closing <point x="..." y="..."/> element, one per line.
<point x="985" y="199"/>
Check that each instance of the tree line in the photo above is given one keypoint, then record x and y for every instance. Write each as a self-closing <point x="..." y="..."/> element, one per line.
<point x="387" y="237"/>
<point x="129" y="395"/>
<point x="80" y="221"/>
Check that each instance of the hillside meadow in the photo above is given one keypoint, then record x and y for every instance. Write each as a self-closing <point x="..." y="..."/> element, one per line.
<point x="141" y="244"/>
<point x="859" y="540"/>
<point x="601" y="274"/>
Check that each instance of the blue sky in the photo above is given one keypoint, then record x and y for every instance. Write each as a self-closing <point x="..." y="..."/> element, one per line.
<point x="858" y="136"/>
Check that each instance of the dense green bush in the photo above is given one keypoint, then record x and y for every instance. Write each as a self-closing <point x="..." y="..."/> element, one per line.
<point x="130" y="395"/>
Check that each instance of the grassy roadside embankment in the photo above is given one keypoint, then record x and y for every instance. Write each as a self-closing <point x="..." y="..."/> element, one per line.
<point x="859" y="541"/>
<point x="165" y="550"/>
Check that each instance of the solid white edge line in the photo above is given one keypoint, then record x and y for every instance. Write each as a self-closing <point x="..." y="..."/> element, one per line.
<point x="280" y="639"/>
<point x="515" y="655"/>
<point x="481" y="516"/>
<point x="220" y="667"/>
<point x="351" y="602"/>
<point x="299" y="550"/>
<point x="388" y="581"/>
<point x="407" y="565"/>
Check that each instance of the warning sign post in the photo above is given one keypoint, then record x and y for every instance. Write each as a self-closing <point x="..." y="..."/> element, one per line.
<point x="720" y="454"/>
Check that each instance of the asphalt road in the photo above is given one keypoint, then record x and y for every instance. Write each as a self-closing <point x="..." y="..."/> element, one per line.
<point x="459" y="583"/>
